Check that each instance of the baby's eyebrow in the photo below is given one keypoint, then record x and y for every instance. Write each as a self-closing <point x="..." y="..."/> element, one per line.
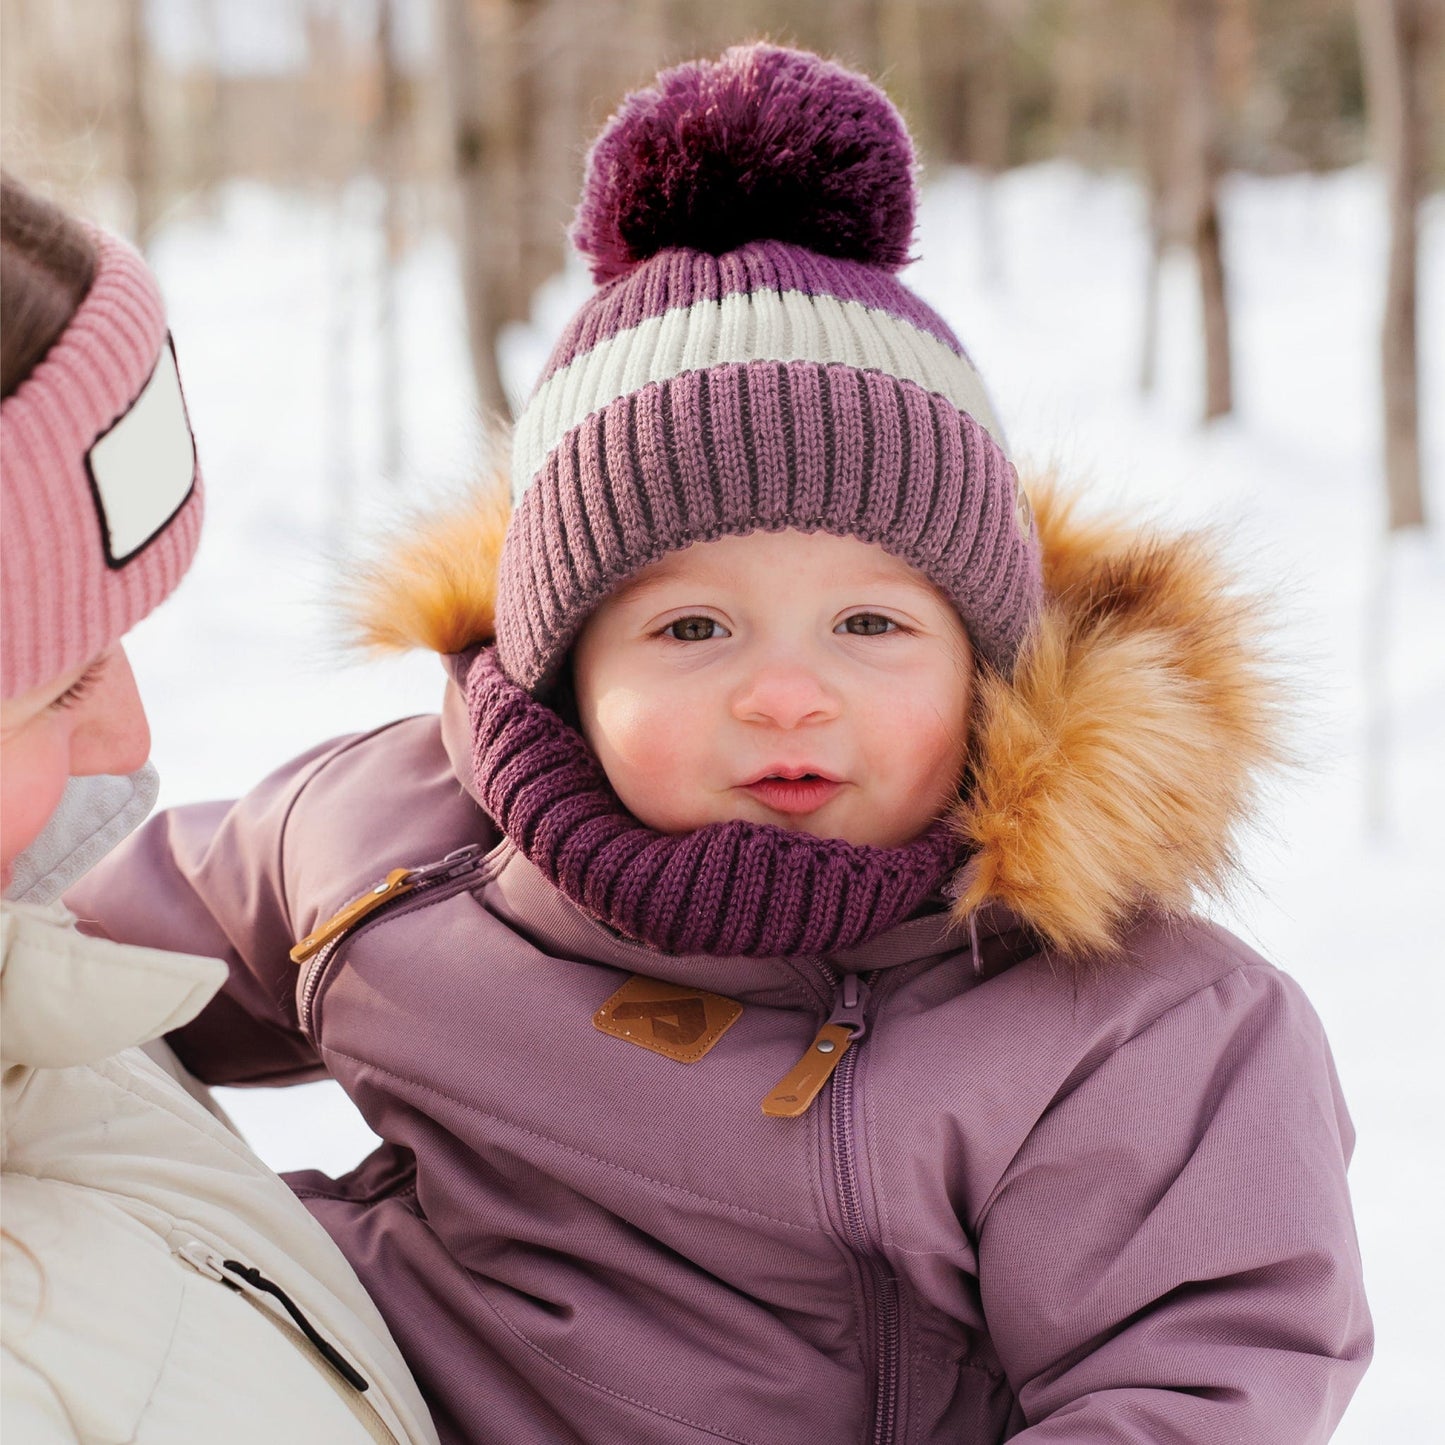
<point x="642" y="582"/>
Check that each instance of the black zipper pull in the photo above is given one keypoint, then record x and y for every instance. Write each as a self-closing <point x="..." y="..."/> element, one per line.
<point x="328" y="1351"/>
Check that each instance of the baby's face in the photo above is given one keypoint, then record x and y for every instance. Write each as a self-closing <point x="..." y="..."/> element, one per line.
<point x="804" y="680"/>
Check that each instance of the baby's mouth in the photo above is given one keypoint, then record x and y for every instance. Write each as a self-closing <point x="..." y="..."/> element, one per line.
<point x="793" y="792"/>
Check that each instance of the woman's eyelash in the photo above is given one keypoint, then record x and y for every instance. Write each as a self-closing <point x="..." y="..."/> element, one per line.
<point x="81" y="686"/>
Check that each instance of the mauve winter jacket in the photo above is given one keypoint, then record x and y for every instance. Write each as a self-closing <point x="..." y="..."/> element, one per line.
<point x="1052" y="1193"/>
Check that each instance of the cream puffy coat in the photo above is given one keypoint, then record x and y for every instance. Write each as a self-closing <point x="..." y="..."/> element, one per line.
<point x="122" y="1199"/>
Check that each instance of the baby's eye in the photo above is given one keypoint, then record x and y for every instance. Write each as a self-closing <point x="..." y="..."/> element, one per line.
<point x="694" y="629"/>
<point x="868" y="624"/>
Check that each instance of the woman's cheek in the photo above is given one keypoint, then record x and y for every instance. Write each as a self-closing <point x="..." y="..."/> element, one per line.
<point x="33" y="774"/>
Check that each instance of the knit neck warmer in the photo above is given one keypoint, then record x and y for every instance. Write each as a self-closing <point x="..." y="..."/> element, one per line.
<point x="734" y="889"/>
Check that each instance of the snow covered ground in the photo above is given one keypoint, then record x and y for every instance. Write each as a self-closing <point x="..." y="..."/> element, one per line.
<point x="244" y="670"/>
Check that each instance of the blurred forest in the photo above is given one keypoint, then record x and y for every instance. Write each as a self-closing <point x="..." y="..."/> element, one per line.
<point x="475" y="113"/>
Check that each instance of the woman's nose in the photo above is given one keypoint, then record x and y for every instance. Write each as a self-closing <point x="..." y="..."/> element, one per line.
<point x="113" y="734"/>
<point x="785" y="695"/>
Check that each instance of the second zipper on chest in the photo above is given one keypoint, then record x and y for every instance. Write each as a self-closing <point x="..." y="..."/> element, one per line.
<point x="399" y="892"/>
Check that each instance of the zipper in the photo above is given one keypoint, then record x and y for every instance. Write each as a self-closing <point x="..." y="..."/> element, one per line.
<point x="887" y="1333"/>
<point x="795" y="1091"/>
<point x="315" y="952"/>
<point x="831" y="1057"/>
<point x="257" y="1291"/>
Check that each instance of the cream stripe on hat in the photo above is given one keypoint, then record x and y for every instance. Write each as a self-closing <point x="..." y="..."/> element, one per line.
<point x="749" y="326"/>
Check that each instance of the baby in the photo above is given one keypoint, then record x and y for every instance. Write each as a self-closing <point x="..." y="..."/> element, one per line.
<point x="772" y="975"/>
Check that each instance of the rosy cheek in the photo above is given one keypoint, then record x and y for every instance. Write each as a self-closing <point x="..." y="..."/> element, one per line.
<point x="32" y="780"/>
<point x="655" y="755"/>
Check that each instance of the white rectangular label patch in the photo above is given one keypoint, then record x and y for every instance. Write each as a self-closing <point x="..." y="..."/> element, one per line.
<point x="144" y="467"/>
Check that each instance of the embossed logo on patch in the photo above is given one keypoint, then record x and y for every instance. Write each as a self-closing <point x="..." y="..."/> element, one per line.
<point x="681" y="1023"/>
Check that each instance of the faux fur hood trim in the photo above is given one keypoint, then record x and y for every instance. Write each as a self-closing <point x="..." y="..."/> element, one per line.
<point x="1112" y="774"/>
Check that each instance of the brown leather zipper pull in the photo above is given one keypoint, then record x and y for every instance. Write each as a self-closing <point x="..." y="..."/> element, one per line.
<point x="397" y="882"/>
<point x="846" y="1025"/>
<point x="802" y="1083"/>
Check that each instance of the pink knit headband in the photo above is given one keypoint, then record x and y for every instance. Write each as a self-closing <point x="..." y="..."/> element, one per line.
<point x="100" y="489"/>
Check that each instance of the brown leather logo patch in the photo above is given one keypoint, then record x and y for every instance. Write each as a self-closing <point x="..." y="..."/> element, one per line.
<point x="682" y="1023"/>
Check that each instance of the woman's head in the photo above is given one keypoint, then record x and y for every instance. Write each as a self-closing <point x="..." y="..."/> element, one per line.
<point x="100" y="501"/>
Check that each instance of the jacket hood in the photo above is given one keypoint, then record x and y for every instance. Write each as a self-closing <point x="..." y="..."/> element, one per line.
<point x="1112" y="774"/>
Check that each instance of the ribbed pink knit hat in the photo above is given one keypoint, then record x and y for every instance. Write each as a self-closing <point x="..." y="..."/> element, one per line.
<point x="751" y="361"/>
<point x="100" y="490"/>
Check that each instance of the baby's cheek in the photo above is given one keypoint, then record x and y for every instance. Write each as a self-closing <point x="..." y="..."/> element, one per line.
<point x="929" y="746"/>
<point x="655" y="757"/>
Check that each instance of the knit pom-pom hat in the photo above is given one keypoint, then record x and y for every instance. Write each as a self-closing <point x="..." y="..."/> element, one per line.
<point x="751" y="361"/>
<point x="100" y="490"/>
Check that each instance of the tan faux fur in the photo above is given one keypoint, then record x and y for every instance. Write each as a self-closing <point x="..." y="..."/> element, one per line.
<point x="1113" y="772"/>
<point x="1117" y="767"/>
<point x="437" y="588"/>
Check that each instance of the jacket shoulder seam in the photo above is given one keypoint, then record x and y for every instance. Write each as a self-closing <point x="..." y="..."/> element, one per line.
<point x="1239" y="969"/>
<point x="342" y="747"/>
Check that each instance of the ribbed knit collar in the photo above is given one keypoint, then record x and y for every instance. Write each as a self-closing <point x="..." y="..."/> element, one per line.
<point x="733" y="889"/>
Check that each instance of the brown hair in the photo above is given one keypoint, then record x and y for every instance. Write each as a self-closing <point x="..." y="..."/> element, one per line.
<point x="47" y="262"/>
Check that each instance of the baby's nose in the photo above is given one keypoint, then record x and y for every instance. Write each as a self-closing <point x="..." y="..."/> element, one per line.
<point x="785" y="696"/>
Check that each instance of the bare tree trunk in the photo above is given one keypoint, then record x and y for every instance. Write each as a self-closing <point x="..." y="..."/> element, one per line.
<point x="391" y="137"/>
<point x="210" y="157"/>
<point x="990" y="113"/>
<point x="856" y="24"/>
<point x="472" y="155"/>
<point x="137" y="136"/>
<point x="554" y="171"/>
<point x="1149" y="58"/>
<point x="900" y="42"/>
<point x="1199" y="164"/>
<point x="531" y="58"/>
<point x="1392" y="35"/>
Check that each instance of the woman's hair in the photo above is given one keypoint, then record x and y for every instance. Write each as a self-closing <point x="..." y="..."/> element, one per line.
<point x="47" y="262"/>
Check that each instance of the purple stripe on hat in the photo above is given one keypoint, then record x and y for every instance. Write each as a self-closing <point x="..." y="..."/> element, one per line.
<point x="765" y="445"/>
<point x="680" y="278"/>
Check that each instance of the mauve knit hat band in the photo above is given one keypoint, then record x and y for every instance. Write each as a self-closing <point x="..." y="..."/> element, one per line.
<point x="101" y="488"/>
<point x="751" y="362"/>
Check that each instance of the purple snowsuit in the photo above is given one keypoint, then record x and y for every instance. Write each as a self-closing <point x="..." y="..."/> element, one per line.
<point x="1040" y="1197"/>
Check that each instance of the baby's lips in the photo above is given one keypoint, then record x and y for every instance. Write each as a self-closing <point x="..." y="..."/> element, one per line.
<point x="790" y="773"/>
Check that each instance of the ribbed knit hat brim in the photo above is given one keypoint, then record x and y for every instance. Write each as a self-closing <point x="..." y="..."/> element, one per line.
<point x="765" y="445"/>
<point x="65" y="596"/>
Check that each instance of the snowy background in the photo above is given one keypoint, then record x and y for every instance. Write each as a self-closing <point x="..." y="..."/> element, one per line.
<point x="274" y="305"/>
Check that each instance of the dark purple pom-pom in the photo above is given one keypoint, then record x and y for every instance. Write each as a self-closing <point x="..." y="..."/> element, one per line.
<point x="763" y="144"/>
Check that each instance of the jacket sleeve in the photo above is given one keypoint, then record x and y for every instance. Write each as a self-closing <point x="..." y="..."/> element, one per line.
<point x="1171" y="1254"/>
<point x="210" y="879"/>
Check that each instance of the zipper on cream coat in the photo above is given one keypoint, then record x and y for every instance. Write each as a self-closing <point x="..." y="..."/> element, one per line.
<point x="210" y="1262"/>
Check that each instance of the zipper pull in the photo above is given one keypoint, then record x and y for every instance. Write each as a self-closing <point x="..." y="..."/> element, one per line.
<point x="202" y="1260"/>
<point x="797" y="1089"/>
<point x="455" y="861"/>
<point x="396" y="883"/>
